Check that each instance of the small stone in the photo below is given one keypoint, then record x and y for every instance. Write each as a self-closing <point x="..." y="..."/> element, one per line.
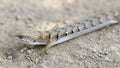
<point x="99" y="42"/>
<point x="24" y="49"/>
<point x="17" y="18"/>
<point x="113" y="31"/>
<point x="106" y="53"/>
<point x="91" y="39"/>
<point x="100" y="55"/>
<point x="9" y="57"/>
<point x="94" y="50"/>
<point x="29" y="18"/>
<point x="36" y="60"/>
<point x="107" y="58"/>
<point x="30" y="51"/>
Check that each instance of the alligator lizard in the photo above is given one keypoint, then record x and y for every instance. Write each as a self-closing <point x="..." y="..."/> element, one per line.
<point x="59" y="35"/>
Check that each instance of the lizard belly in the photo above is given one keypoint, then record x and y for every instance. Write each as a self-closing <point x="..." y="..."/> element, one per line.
<point x="85" y="31"/>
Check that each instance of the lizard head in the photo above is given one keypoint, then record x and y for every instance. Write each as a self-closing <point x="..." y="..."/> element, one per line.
<point x="30" y="37"/>
<point x="30" y="41"/>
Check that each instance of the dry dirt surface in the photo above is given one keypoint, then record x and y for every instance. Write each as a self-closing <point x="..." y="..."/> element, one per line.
<point x="99" y="49"/>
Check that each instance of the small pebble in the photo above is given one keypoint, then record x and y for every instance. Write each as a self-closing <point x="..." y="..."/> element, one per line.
<point x="24" y="49"/>
<point x="30" y="51"/>
<point x="107" y="58"/>
<point x="94" y="50"/>
<point x="36" y="60"/>
<point x="91" y="39"/>
<point x="17" y="18"/>
<point x="29" y="18"/>
<point x="9" y="57"/>
<point x="113" y="31"/>
<point x="105" y="53"/>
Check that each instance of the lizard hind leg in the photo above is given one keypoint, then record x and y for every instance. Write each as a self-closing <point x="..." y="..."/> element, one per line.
<point x="43" y="51"/>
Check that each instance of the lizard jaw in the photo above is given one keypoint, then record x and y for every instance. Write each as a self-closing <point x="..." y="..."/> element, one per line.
<point x="30" y="41"/>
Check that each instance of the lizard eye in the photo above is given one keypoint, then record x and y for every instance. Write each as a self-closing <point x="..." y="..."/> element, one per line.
<point x="20" y="36"/>
<point x="34" y="40"/>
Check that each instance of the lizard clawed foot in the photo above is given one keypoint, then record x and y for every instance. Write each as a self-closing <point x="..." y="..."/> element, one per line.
<point x="41" y="52"/>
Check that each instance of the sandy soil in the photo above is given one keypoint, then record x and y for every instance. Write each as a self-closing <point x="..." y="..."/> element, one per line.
<point x="99" y="49"/>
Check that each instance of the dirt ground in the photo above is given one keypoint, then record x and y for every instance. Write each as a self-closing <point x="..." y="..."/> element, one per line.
<point x="99" y="49"/>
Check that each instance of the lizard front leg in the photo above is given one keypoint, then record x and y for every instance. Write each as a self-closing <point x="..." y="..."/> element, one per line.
<point x="43" y="51"/>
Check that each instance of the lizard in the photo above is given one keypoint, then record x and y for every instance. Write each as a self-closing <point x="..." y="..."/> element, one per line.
<point x="60" y="35"/>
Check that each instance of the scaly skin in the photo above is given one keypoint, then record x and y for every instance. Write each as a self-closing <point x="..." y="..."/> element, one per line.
<point x="68" y="32"/>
